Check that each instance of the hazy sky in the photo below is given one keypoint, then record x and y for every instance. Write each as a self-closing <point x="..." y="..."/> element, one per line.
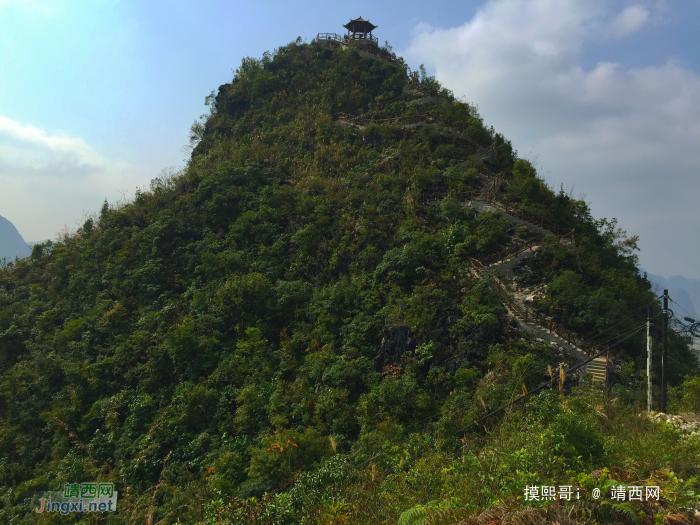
<point x="96" y="97"/>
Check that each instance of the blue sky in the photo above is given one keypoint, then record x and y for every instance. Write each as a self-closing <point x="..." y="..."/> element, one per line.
<point x="96" y="97"/>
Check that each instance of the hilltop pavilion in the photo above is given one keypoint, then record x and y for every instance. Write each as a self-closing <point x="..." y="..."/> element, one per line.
<point x="359" y="29"/>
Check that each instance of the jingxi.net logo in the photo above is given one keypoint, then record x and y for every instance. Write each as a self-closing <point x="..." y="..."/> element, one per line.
<point x="76" y="498"/>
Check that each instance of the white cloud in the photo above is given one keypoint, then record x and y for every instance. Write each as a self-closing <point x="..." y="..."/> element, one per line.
<point x="629" y="21"/>
<point x="47" y="180"/>
<point x="16" y="138"/>
<point x="627" y="137"/>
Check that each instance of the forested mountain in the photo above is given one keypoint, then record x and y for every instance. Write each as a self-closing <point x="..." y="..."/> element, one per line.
<point x="11" y="242"/>
<point x="293" y="329"/>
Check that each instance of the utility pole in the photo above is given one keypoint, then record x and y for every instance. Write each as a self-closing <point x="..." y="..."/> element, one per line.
<point x="663" y="353"/>
<point x="648" y="360"/>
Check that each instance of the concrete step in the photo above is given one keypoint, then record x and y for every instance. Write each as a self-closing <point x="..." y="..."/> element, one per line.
<point x="595" y="372"/>
<point x="597" y="364"/>
<point x="480" y="202"/>
<point x="513" y="258"/>
<point x="598" y="361"/>
<point x="597" y="369"/>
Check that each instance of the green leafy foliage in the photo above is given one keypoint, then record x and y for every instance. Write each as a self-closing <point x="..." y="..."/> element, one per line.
<point x="288" y="329"/>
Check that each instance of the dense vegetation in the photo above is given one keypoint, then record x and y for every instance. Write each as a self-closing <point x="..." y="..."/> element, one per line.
<point x="288" y="329"/>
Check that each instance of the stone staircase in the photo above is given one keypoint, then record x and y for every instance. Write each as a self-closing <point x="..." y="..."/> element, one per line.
<point x="597" y="369"/>
<point x="529" y="321"/>
<point x="479" y="205"/>
<point x="507" y="264"/>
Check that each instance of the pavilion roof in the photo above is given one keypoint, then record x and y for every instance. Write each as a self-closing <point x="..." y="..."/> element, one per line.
<point x="360" y="25"/>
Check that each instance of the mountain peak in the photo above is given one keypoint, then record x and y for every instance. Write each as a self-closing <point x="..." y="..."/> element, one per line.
<point x="11" y="242"/>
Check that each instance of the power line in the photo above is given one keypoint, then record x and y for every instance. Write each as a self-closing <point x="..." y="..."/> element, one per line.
<point x="591" y="339"/>
<point x="686" y="311"/>
<point x="545" y="384"/>
<point x="540" y="370"/>
<point x="630" y="333"/>
<point x="690" y="317"/>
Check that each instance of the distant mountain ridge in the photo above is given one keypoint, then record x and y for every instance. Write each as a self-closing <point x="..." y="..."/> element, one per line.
<point x="684" y="291"/>
<point x="12" y="244"/>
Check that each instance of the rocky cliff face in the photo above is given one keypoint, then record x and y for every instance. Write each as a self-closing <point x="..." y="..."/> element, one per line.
<point x="11" y="242"/>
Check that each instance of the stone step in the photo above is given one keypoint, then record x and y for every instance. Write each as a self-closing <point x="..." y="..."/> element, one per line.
<point x="596" y="368"/>
<point x="595" y="371"/>
<point x="514" y="218"/>
<point x="597" y="364"/>
<point x="518" y="257"/>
